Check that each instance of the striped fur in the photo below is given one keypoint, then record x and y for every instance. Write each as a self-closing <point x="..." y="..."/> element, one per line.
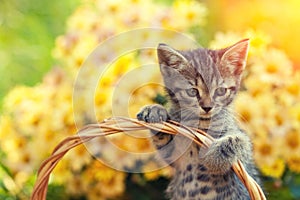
<point x="201" y="85"/>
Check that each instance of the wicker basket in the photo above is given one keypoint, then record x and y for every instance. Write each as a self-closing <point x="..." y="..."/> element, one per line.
<point x="116" y="125"/>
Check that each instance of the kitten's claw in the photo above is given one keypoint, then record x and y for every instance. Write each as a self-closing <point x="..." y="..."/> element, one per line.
<point x="153" y="114"/>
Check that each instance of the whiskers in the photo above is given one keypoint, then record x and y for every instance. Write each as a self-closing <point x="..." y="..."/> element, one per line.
<point x="230" y="112"/>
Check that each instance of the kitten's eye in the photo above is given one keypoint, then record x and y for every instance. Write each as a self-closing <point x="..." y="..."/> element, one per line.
<point x="221" y="91"/>
<point x="192" y="92"/>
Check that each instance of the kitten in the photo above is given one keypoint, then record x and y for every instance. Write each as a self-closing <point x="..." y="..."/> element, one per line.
<point x="201" y="85"/>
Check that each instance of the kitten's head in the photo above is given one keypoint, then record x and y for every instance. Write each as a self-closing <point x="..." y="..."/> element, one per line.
<point x="202" y="82"/>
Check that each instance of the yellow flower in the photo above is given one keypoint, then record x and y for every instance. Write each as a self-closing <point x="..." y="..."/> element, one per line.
<point x="75" y="185"/>
<point x="295" y="115"/>
<point x="16" y="96"/>
<point x="14" y="143"/>
<point x="294" y="162"/>
<point x="79" y="158"/>
<point x="257" y="86"/>
<point x="267" y="104"/>
<point x="292" y="142"/>
<point x="273" y="66"/>
<point x="267" y="154"/>
<point x="113" y="187"/>
<point x="247" y="109"/>
<point x="61" y="172"/>
<point x="258" y="41"/>
<point x="124" y="64"/>
<point x="103" y="95"/>
<point x="222" y="40"/>
<point x="142" y="96"/>
<point x="293" y="87"/>
<point x="82" y="50"/>
<point x="274" y="169"/>
<point x="139" y="143"/>
<point x="292" y="150"/>
<point x="152" y="172"/>
<point x="23" y="160"/>
<point x="265" y="149"/>
<point x="105" y="182"/>
<point x="188" y="11"/>
<point x="82" y="19"/>
<point x="6" y="126"/>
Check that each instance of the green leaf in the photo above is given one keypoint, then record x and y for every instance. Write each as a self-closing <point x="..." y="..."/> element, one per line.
<point x="294" y="185"/>
<point x="160" y="99"/>
<point x="56" y="192"/>
<point x="6" y="170"/>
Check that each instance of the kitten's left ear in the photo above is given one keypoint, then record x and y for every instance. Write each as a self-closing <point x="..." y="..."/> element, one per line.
<point x="233" y="60"/>
<point x="169" y="57"/>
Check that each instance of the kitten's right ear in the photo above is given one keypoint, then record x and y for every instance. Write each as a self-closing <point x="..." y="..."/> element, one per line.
<point x="167" y="56"/>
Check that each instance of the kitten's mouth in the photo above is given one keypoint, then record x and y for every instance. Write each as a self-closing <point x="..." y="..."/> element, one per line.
<point x="205" y="117"/>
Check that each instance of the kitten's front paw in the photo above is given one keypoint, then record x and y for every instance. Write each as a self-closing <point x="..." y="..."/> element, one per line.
<point x="224" y="152"/>
<point x="153" y="114"/>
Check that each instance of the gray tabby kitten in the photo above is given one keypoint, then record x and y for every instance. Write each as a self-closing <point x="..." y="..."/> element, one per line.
<point x="201" y="85"/>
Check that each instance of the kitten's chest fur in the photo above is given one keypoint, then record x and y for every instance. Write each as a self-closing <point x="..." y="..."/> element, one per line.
<point x="192" y="180"/>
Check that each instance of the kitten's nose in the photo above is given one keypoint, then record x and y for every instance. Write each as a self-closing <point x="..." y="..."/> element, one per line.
<point x="206" y="109"/>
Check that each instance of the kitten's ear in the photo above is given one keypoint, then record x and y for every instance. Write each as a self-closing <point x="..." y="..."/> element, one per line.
<point x="169" y="57"/>
<point x="233" y="60"/>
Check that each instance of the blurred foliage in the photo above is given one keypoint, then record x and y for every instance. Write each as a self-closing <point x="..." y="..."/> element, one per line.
<point x="27" y="32"/>
<point x="47" y="108"/>
<point x="39" y="116"/>
<point x="138" y="188"/>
